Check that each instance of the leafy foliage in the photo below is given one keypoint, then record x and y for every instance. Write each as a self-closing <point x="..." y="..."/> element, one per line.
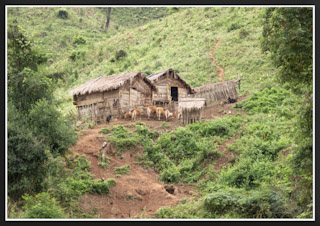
<point x="42" y="206"/>
<point x="287" y="35"/>
<point x="26" y="156"/>
<point x="48" y="124"/>
<point x="122" y="169"/>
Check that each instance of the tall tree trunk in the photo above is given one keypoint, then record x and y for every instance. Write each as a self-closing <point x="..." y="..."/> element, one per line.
<point x="108" y="17"/>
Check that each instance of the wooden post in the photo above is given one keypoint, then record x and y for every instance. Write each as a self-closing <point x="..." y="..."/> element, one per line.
<point x="239" y="81"/>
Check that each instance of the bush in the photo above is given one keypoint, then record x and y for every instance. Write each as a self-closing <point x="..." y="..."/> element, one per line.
<point x="26" y="156"/>
<point x="105" y="130"/>
<point x="263" y="203"/>
<point x="102" y="187"/>
<point x="122" y="169"/>
<point x="62" y="13"/>
<point x="78" y="40"/>
<point x="123" y="139"/>
<point x="243" y="33"/>
<point x="77" y="54"/>
<point x="234" y="26"/>
<point x="50" y="126"/>
<point x="120" y="54"/>
<point x="82" y="163"/>
<point x="42" y="206"/>
<point x="267" y="101"/>
<point x="170" y="175"/>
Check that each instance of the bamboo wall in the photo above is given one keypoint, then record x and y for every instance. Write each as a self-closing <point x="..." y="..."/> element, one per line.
<point x="191" y="115"/>
<point x="218" y="92"/>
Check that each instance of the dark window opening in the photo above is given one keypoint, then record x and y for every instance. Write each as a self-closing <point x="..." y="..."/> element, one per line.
<point x="174" y="93"/>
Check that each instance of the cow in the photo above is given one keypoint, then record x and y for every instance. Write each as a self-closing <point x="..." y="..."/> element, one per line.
<point x="230" y="100"/>
<point x="138" y="112"/>
<point x="159" y="112"/>
<point x="134" y="115"/>
<point x="108" y="118"/>
<point x="178" y="114"/>
<point x="151" y="110"/>
<point x="127" y="115"/>
<point x="168" y="114"/>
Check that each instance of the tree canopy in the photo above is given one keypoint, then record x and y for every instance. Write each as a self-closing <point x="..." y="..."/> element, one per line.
<point x="287" y="35"/>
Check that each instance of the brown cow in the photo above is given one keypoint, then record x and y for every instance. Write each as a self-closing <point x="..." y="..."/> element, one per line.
<point x="160" y="112"/>
<point x="178" y="114"/>
<point x="138" y="112"/>
<point x="134" y="115"/>
<point x="151" y="110"/>
<point x="127" y="115"/>
<point x="168" y="114"/>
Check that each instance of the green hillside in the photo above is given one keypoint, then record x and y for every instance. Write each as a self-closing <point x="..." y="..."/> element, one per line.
<point x="181" y="41"/>
<point x="271" y="175"/>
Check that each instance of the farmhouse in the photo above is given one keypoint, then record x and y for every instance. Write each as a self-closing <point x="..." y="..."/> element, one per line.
<point x="112" y="95"/>
<point x="170" y="87"/>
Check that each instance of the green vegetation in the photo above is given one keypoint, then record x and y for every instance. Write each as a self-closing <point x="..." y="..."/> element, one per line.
<point x="122" y="169"/>
<point x="270" y="175"/>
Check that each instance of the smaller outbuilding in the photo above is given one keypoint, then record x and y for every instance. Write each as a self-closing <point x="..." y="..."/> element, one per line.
<point x="191" y="109"/>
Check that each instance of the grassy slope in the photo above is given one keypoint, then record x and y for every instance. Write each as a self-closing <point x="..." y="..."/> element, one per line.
<point x="180" y="41"/>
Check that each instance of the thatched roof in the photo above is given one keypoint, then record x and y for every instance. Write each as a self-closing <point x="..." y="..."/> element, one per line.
<point x="155" y="77"/>
<point x="191" y="103"/>
<point x="215" y="85"/>
<point x="106" y="83"/>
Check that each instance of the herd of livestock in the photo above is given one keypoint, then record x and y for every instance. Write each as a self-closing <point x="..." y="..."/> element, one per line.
<point x="152" y="112"/>
<point x="149" y="111"/>
<point x="155" y="112"/>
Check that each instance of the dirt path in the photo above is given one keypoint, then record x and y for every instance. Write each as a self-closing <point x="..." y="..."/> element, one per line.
<point x="139" y="194"/>
<point x="220" y="69"/>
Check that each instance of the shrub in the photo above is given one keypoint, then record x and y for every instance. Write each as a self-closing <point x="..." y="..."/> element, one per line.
<point x="123" y="139"/>
<point x="105" y="130"/>
<point x="243" y="33"/>
<point x="234" y="26"/>
<point x="77" y="54"/>
<point x="26" y="156"/>
<point x="78" y="40"/>
<point x="170" y="175"/>
<point x="122" y="169"/>
<point x="42" y="206"/>
<point x="120" y="54"/>
<point x="62" y="13"/>
<point x="262" y="203"/>
<point x="82" y="163"/>
<point x="49" y="125"/>
<point x="102" y="187"/>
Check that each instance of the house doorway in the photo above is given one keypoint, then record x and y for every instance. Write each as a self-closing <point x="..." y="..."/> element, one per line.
<point x="174" y="93"/>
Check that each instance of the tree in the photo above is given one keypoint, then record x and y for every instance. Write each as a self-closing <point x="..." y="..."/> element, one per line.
<point x="26" y="156"/>
<point x="34" y="124"/>
<point x="108" y="11"/>
<point x="287" y="35"/>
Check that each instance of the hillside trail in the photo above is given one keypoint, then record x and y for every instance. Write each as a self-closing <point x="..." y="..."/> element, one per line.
<point x="139" y="194"/>
<point x="220" y="69"/>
